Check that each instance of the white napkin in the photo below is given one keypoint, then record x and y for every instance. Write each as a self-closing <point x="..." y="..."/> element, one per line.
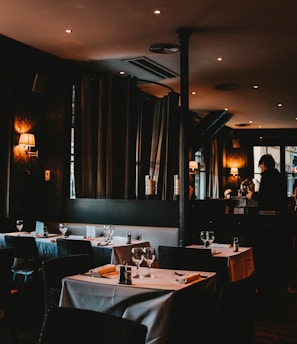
<point x="189" y="278"/>
<point x="103" y="269"/>
<point x="217" y="245"/>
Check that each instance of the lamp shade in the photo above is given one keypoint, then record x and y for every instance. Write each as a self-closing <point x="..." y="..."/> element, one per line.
<point x="234" y="171"/>
<point x="27" y="139"/>
<point x="193" y="165"/>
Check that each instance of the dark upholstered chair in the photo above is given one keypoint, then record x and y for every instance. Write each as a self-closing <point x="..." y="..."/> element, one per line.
<point x="229" y="318"/>
<point x="67" y="247"/>
<point x="54" y="270"/>
<point x="181" y="258"/>
<point x="85" y="326"/>
<point x="26" y="258"/>
<point x="6" y="311"/>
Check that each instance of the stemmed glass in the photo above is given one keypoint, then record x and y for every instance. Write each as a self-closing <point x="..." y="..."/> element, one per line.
<point x="211" y="237"/>
<point x="137" y="258"/>
<point x="19" y="225"/>
<point x="149" y="256"/>
<point x="204" y="237"/>
<point x="63" y="229"/>
<point x="108" y="232"/>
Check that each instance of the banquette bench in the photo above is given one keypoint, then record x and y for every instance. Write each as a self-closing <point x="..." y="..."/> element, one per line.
<point x="157" y="236"/>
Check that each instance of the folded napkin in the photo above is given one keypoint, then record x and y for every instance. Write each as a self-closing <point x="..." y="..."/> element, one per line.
<point x="217" y="245"/>
<point x="189" y="278"/>
<point x="104" y="269"/>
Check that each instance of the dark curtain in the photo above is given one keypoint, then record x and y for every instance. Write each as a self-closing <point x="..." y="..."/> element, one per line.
<point x="121" y="135"/>
<point x="159" y="159"/>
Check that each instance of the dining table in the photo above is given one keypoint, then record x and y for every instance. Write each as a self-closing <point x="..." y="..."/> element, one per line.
<point x="115" y="252"/>
<point x="147" y="300"/>
<point x="240" y="264"/>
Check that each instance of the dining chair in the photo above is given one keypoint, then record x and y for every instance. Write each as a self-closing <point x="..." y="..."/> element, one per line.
<point x="181" y="258"/>
<point x="86" y="326"/>
<point x="26" y="261"/>
<point x="228" y="318"/>
<point x="67" y="247"/>
<point x="55" y="269"/>
<point x="6" y="292"/>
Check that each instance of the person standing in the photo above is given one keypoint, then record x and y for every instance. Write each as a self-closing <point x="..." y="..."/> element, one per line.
<point x="272" y="194"/>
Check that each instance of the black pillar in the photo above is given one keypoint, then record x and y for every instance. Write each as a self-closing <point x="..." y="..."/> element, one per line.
<point x="184" y="35"/>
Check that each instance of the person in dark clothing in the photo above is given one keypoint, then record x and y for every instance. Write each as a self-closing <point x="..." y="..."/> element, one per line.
<point x="272" y="194"/>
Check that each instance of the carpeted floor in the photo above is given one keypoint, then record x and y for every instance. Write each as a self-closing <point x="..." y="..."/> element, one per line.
<point x="275" y="321"/>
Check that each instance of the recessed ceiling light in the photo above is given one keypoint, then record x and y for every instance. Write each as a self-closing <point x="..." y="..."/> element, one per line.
<point x="157" y="11"/>
<point x="68" y="30"/>
<point x="279" y="104"/>
<point x="122" y="72"/>
<point x="256" y="86"/>
<point x="193" y="92"/>
<point x="219" y="59"/>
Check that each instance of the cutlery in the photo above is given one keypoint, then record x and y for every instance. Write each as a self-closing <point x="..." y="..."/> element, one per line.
<point x="179" y="274"/>
<point x="92" y="274"/>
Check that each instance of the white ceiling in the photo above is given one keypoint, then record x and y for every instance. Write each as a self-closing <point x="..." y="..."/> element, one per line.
<point x="256" y="38"/>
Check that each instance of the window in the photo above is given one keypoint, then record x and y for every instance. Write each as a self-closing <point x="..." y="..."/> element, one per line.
<point x="290" y="163"/>
<point x="200" y="176"/>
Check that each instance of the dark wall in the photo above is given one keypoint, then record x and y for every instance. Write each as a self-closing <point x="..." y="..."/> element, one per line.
<point x="125" y="212"/>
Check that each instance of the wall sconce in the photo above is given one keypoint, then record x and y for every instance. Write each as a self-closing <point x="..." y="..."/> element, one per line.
<point x="234" y="171"/>
<point x="28" y="141"/>
<point x="193" y="167"/>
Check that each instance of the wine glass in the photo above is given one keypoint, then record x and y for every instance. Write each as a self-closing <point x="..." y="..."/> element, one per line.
<point x="108" y="232"/>
<point x="204" y="237"/>
<point x="211" y="237"/>
<point x="19" y="225"/>
<point x="149" y="255"/>
<point x="63" y="229"/>
<point x="137" y="258"/>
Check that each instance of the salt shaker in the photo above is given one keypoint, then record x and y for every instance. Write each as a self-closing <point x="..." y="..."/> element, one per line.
<point x="235" y="244"/>
<point x="129" y="237"/>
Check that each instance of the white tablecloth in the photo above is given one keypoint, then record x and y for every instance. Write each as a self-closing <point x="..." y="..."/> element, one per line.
<point x="240" y="264"/>
<point x="116" y="253"/>
<point x="147" y="300"/>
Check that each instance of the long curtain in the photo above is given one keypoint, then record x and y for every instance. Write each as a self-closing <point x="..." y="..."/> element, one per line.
<point x="213" y="176"/>
<point x="121" y="135"/>
<point x="158" y="144"/>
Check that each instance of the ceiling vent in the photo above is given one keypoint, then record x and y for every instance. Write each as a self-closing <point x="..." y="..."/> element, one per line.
<point x="152" y="67"/>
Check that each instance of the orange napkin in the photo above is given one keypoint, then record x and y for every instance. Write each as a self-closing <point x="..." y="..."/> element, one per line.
<point x="101" y="270"/>
<point x="189" y="278"/>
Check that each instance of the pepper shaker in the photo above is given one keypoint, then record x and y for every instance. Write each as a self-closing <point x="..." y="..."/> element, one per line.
<point x="235" y="244"/>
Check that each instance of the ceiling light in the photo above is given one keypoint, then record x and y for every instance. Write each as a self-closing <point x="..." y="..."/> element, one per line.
<point x="68" y="30"/>
<point x="157" y="11"/>
<point x="219" y="59"/>
<point x="164" y="48"/>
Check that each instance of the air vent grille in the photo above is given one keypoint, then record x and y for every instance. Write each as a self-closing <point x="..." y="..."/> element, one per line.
<point x="152" y="67"/>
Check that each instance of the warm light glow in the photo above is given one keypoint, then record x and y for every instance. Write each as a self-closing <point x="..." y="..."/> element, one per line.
<point x="27" y="139"/>
<point x="193" y="166"/>
<point x="234" y="171"/>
